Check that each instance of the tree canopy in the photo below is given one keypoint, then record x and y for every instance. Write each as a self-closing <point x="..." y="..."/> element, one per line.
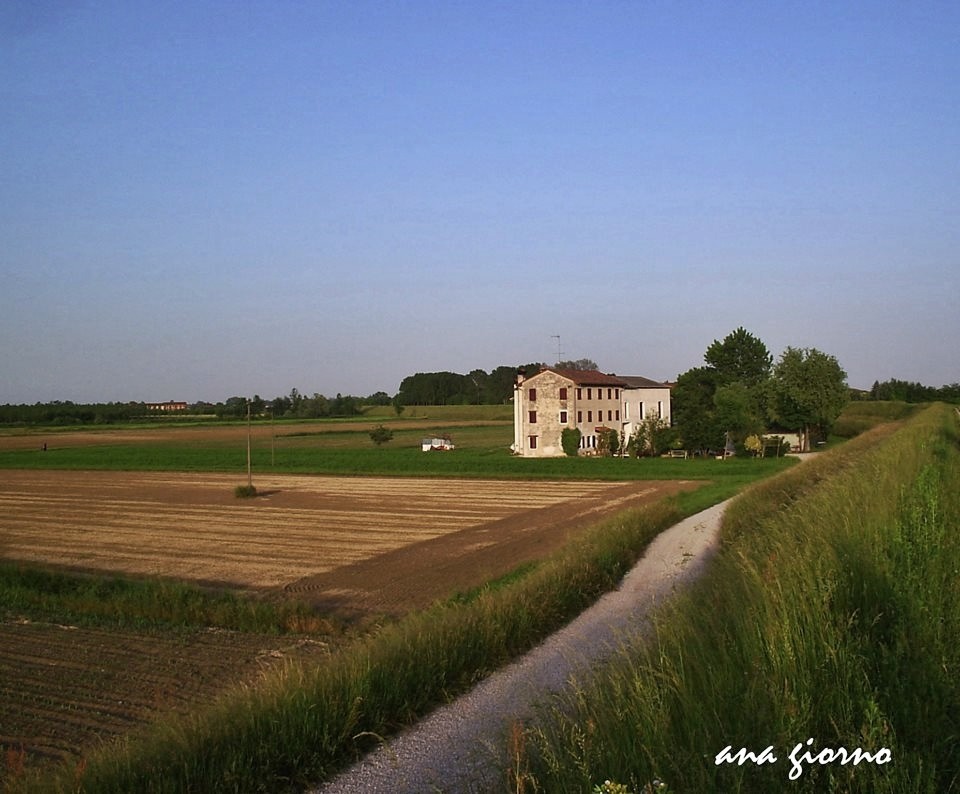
<point x="738" y="393"/>
<point x="581" y="364"/>
<point x="740" y="358"/>
<point x="808" y="390"/>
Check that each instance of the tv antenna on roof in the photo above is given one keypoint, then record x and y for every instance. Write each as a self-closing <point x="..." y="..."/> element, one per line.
<point x="559" y="354"/>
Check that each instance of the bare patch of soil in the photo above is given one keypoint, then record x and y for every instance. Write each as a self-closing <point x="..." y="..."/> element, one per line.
<point x="415" y="575"/>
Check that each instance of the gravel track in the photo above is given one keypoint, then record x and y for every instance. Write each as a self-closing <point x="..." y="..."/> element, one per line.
<point x="461" y="747"/>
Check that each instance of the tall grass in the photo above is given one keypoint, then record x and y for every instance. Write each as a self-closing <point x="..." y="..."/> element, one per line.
<point x="46" y="594"/>
<point x="832" y="614"/>
<point x="859" y="416"/>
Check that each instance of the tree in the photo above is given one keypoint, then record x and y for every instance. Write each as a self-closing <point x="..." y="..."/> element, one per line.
<point x="580" y="364"/>
<point x="740" y="357"/>
<point x="608" y="442"/>
<point x="737" y="412"/>
<point x="381" y="435"/>
<point x="808" y="391"/>
<point x="694" y="410"/>
<point x="651" y="437"/>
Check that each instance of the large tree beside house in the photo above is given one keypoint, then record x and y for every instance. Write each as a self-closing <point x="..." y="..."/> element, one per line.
<point x="808" y="391"/>
<point x="738" y="394"/>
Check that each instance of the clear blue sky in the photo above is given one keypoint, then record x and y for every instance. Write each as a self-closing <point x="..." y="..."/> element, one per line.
<point x="206" y="199"/>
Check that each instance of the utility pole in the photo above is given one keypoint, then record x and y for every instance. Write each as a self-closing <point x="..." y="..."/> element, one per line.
<point x="249" y="469"/>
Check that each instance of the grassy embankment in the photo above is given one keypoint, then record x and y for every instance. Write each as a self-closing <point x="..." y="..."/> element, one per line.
<point x="832" y="614"/>
<point x="303" y="723"/>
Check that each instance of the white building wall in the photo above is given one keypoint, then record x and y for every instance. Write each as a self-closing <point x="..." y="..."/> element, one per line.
<point x="641" y="403"/>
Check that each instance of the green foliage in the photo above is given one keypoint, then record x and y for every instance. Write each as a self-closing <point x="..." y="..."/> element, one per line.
<point x="245" y="491"/>
<point x="581" y="364"/>
<point x="381" y="435"/>
<point x="906" y="391"/>
<point x="608" y="442"/>
<point x="740" y="358"/>
<point x="450" y="388"/>
<point x="652" y="437"/>
<point x="570" y="441"/>
<point x="694" y="409"/>
<point x="808" y="390"/>
<point x="737" y="411"/>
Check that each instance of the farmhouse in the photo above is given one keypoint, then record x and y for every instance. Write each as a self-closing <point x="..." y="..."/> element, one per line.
<point x="590" y="401"/>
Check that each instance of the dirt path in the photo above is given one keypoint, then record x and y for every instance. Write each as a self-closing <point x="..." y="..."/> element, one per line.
<point x="461" y="746"/>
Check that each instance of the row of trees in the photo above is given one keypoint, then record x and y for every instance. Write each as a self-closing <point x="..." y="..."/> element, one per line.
<point x="477" y="387"/>
<point x="740" y="393"/>
<point x="294" y="405"/>
<point x="914" y="392"/>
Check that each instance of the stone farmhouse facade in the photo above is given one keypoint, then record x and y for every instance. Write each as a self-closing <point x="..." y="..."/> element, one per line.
<point x="591" y="401"/>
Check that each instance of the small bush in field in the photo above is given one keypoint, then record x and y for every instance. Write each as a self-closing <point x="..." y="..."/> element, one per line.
<point x="381" y="435"/>
<point x="245" y="491"/>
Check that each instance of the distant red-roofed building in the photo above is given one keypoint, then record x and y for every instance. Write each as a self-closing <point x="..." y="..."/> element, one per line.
<point x="168" y="407"/>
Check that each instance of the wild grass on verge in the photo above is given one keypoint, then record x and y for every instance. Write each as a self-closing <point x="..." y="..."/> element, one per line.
<point x="303" y="723"/>
<point x="45" y="594"/>
<point x="832" y="614"/>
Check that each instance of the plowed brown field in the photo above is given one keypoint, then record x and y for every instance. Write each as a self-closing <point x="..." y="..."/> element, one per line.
<point x="352" y="546"/>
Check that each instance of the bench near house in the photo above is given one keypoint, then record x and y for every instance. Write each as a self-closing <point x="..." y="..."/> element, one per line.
<point x="553" y="399"/>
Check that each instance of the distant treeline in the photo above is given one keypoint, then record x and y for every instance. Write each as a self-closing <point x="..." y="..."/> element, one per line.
<point x="294" y="405"/>
<point x="914" y="392"/>
<point x="449" y="388"/>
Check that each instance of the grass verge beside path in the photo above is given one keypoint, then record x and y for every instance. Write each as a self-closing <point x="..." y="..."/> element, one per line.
<point x="831" y="615"/>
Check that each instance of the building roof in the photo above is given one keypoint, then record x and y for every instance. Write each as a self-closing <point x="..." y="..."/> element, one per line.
<point x="639" y="382"/>
<point x="587" y="377"/>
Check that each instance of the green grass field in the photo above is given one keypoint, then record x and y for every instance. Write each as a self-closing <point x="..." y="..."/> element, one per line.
<point x="482" y="451"/>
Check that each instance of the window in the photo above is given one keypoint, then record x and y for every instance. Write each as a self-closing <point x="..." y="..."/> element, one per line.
<point x="616" y="394"/>
<point x="589" y="394"/>
<point x="642" y="414"/>
<point x="579" y="417"/>
<point x="589" y="416"/>
<point x="626" y="411"/>
<point x="563" y="392"/>
<point x="609" y="416"/>
<point x="563" y="417"/>
<point x="533" y="442"/>
<point x="617" y="412"/>
<point x="533" y="395"/>
<point x="659" y="409"/>
<point x="579" y="394"/>
<point x="533" y="417"/>
<point x="609" y="394"/>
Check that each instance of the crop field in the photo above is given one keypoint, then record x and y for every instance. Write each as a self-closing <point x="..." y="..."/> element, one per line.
<point x="192" y="526"/>
<point x="352" y="547"/>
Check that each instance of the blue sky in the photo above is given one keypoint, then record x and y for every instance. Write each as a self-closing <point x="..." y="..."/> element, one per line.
<point x="204" y="199"/>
